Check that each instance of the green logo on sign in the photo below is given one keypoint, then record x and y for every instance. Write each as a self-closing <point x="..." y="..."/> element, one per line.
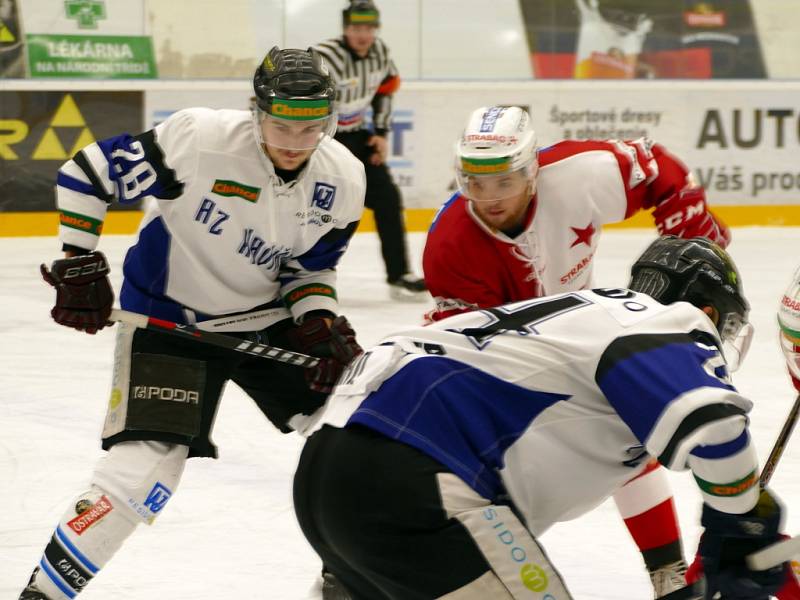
<point x="87" y="12"/>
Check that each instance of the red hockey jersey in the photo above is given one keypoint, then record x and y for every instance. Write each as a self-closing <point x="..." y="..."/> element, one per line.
<point x="581" y="185"/>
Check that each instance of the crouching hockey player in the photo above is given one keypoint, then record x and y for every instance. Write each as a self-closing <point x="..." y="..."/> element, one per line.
<point x="444" y="442"/>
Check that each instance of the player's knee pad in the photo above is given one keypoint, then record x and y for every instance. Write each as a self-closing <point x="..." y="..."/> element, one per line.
<point x="142" y="475"/>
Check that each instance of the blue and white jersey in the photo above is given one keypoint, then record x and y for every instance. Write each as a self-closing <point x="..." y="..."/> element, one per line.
<point x="558" y="401"/>
<point x="222" y="233"/>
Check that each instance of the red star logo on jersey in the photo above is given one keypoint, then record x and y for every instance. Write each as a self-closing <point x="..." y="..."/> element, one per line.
<point x="584" y="235"/>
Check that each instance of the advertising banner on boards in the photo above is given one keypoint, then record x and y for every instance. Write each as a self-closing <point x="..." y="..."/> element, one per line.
<point x="741" y="141"/>
<point x="88" y="38"/>
<point x="637" y="39"/>
<point x="39" y="131"/>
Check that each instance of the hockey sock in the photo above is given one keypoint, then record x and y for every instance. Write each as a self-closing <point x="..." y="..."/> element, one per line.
<point x="87" y="536"/>
<point x="646" y="505"/>
<point x="143" y="474"/>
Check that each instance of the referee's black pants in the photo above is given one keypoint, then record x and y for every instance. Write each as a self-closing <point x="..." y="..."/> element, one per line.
<point x="383" y="198"/>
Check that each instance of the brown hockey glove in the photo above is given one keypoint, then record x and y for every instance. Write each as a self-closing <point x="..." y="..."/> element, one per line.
<point x="334" y="341"/>
<point x="83" y="292"/>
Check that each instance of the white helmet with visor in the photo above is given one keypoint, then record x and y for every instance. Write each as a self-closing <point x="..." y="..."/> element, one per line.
<point x="498" y="143"/>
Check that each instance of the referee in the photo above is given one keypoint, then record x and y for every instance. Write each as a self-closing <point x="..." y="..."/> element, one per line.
<point x="365" y="75"/>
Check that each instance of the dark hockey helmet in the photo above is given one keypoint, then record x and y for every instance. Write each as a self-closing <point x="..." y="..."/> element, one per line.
<point x="295" y="85"/>
<point x="299" y="76"/>
<point x="361" y="12"/>
<point x="699" y="272"/>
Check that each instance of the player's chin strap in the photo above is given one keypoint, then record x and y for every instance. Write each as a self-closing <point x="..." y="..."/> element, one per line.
<point x="190" y="332"/>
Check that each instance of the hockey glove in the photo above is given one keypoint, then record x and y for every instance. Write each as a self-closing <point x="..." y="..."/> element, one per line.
<point x="83" y="292"/>
<point x="726" y="542"/>
<point x="789" y="591"/>
<point x="789" y="321"/>
<point x="334" y="341"/>
<point x="686" y="215"/>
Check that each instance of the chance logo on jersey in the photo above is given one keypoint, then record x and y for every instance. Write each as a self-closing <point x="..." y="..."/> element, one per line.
<point x="324" y="194"/>
<point x="224" y="187"/>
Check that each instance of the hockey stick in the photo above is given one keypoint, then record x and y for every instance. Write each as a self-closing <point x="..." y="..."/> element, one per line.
<point x="774" y="554"/>
<point x="214" y="339"/>
<point x="780" y="444"/>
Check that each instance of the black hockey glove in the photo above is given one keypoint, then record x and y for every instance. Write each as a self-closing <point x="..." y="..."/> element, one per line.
<point x="334" y="341"/>
<point x="83" y="292"/>
<point x="728" y="539"/>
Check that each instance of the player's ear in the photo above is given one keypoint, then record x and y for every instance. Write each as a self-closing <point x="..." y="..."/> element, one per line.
<point x="712" y="313"/>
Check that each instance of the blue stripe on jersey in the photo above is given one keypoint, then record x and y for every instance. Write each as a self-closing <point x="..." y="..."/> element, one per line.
<point x="642" y="384"/>
<point x="76" y="185"/>
<point x="328" y="250"/>
<point x="462" y="417"/>
<point x="442" y="209"/>
<point x="723" y="450"/>
<point x="145" y="270"/>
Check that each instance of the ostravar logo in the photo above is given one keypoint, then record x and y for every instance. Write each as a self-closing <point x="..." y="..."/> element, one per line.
<point x="65" y="121"/>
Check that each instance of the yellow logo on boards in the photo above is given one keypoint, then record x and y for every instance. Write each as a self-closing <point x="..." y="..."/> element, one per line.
<point x="66" y="115"/>
<point x="49" y="147"/>
<point x="6" y="36"/>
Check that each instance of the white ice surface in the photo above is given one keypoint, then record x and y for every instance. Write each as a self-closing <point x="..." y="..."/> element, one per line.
<point x="230" y="531"/>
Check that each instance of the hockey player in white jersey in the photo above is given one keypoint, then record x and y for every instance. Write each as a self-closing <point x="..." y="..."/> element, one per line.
<point x="249" y="215"/>
<point x="445" y="451"/>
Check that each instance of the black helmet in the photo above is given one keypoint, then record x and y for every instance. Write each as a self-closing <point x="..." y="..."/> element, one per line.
<point x="361" y="12"/>
<point x="294" y="84"/>
<point x="693" y="270"/>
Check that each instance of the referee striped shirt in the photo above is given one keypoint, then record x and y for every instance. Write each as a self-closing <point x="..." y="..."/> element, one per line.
<point x="361" y="82"/>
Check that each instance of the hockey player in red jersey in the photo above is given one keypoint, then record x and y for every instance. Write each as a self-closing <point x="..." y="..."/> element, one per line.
<point x="526" y="222"/>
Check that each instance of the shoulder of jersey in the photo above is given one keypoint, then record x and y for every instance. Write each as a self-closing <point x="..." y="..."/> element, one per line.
<point x="582" y="150"/>
<point x="223" y="129"/>
<point x="335" y="155"/>
<point x="452" y="216"/>
<point x="640" y="310"/>
<point x="330" y="44"/>
<point x="381" y="45"/>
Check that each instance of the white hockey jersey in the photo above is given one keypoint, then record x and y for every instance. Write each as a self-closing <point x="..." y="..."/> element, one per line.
<point x="555" y="402"/>
<point x="222" y="233"/>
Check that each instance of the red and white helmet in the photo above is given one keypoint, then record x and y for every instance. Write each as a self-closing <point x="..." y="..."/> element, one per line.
<point x="497" y="140"/>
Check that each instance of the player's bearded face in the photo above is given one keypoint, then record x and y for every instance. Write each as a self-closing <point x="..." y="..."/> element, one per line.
<point x="500" y="200"/>
<point x="290" y="143"/>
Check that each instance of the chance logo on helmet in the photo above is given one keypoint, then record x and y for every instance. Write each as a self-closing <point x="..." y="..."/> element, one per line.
<point x="300" y="109"/>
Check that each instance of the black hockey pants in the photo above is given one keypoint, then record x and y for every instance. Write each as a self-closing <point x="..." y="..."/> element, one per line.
<point x="383" y="198"/>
